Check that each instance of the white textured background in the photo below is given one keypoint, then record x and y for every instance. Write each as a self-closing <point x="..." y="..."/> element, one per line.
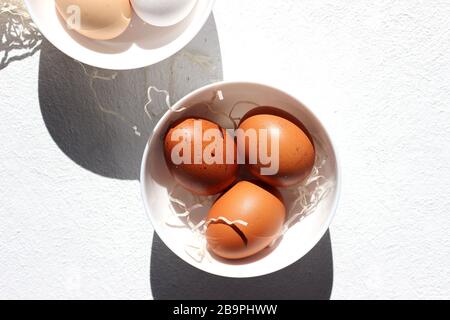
<point x="378" y="72"/>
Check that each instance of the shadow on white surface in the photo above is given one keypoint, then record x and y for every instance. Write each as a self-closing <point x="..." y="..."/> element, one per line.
<point x="19" y="38"/>
<point x="310" y="278"/>
<point x="98" y="141"/>
<point x="107" y="144"/>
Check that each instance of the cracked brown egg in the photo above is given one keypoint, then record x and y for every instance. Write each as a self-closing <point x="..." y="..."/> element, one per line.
<point x="96" y="19"/>
<point x="196" y="154"/>
<point x="244" y="220"/>
<point x="283" y="154"/>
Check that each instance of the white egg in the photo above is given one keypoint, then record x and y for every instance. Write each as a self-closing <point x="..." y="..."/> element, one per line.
<point x="163" y="13"/>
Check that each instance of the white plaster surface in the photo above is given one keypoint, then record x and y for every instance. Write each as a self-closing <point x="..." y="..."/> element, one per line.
<point x="377" y="72"/>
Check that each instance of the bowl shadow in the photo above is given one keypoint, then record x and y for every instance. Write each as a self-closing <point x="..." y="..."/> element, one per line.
<point x="310" y="278"/>
<point x="100" y="123"/>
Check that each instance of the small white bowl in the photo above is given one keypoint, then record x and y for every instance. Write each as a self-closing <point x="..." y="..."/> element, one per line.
<point x="139" y="46"/>
<point x="156" y="179"/>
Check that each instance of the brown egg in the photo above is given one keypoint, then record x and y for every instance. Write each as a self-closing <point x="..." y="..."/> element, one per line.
<point x="295" y="157"/>
<point x="98" y="19"/>
<point x="197" y="163"/>
<point x="244" y="220"/>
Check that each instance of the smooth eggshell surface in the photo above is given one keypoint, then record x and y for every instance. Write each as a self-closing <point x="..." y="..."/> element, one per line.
<point x="263" y="211"/>
<point x="163" y="13"/>
<point x="99" y="19"/>
<point x="296" y="153"/>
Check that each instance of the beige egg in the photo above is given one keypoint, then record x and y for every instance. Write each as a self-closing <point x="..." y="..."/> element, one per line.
<point x="96" y="19"/>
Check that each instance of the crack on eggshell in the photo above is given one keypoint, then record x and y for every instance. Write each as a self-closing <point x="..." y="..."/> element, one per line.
<point x="231" y="224"/>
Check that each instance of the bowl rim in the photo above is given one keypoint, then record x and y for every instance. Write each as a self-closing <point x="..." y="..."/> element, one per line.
<point x="130" y="64"/>
<point x="325" y="226"/>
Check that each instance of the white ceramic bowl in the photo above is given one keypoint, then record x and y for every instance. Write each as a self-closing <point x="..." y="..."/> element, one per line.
<point x="139" y="46"/>
<point x="156" y="179"/>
